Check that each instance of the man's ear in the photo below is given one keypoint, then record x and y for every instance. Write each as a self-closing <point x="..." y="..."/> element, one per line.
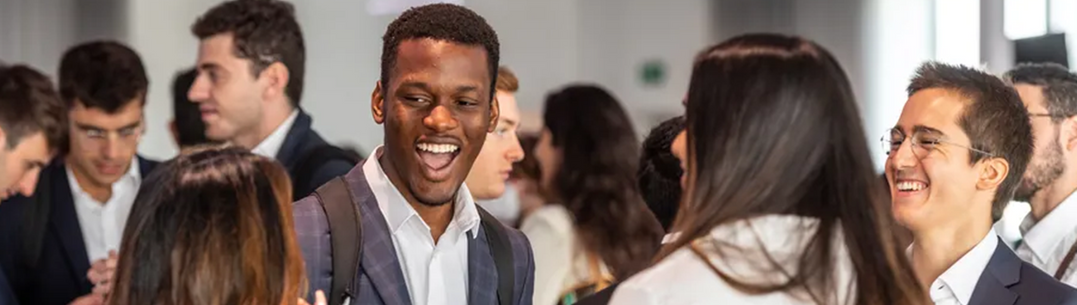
<point x="994" y="171"/>
<point x="1067" y="133"/>
<point x="495" y="112"/>
<point x="377" y="104"/>
<point x="276" y="76"/>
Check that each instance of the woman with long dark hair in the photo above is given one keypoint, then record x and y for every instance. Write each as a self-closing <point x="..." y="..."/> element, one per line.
<point x="782" y="203"/>
<point x="597" y="228"/>
<point x="213" y="226"/>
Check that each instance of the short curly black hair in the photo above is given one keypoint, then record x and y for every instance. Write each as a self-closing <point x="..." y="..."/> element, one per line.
<point x="445" y="22"/>
<point x="265" y="32"/>
<point x="106" y="75"/>
<point x="659" y="172"/>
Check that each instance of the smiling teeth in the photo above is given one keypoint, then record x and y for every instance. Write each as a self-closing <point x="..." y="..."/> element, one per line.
<point x="910" y="186"/>
<point x="437" y="148"/>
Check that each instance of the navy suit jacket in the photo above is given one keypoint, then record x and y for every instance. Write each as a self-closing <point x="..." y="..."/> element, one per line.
<point x="1009" y="281"/>
<point x="7" y="297"/>
<point x="59" y="276"/>
<point x="300" y="140"/>
<point x="379" y="279"/>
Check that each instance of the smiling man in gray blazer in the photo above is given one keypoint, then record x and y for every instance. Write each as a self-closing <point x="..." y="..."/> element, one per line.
<point x="401" y="227"/>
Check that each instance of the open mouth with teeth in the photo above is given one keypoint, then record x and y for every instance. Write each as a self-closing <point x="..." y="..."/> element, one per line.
<point x="437" y="159"/>
<point x="908" y="187"/>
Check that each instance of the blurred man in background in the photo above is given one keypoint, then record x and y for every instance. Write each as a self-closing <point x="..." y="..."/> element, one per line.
<point x="251" y="62"/>
<point x="32" y="124"/>
<point x="1049" y="92"/>
<point x="489" y="176"/>
<point x="78" y="215"/>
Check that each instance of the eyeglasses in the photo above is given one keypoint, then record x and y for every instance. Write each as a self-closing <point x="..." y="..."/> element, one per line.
<point x="1046" y="115"/>
<point x="96" y="138"/>
<point x="923" y="143"/>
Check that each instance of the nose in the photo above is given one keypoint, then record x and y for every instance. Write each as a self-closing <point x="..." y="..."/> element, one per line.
<point x="903" y="157"/>
<point x="199" y="91"/>
<point x="111" y="148"/>
<point x="516" y="152"/>
<point x="440" y="119"/>
<point x="29" y="183"/>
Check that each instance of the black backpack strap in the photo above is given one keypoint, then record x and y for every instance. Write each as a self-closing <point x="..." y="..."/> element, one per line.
<point x="346" y="236"/>
<point x="501" y="249"/>
<point x="37" y="218"/>
<point x="310" y="162"/>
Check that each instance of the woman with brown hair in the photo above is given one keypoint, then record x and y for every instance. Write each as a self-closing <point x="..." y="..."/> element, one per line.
<point x="596" y="228"/>
<point x="213" y="226"/>
<point x="782" y="205"/>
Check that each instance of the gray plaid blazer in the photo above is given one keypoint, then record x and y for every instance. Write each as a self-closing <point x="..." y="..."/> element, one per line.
<point x="379" y="279"/>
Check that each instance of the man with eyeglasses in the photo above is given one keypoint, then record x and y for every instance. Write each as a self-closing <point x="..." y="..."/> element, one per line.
<point x="64" y="250"/>
<point x="1049" y="242"/>
<point x="955" y="157"/>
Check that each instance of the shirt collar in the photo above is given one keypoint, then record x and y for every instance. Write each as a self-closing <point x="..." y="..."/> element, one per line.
<point x="1044" y="237"/>
<point x="396" y="209"/>
<point x="963" y="275"/>
<point x="271" y="145"/>
<point x="133" y="175"/>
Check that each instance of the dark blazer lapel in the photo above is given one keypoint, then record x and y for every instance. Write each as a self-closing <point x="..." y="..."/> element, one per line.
<point x="145" y="166"/>
<point x="1002" y="271"/>
<point x="379" y="260"/>
<point x="65" y="223"/>
<point x="289" y="150"/>
<point x="482" y="276"/>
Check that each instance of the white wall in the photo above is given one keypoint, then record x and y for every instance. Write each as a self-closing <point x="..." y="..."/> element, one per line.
<point x="37" y="32"/>
<point x="547" y="43"/>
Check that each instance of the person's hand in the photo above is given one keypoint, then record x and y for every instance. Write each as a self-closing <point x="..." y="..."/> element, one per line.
<point x="89" y="299"/>
<point x="319" y="299"/>
<point x="101" y="274"/>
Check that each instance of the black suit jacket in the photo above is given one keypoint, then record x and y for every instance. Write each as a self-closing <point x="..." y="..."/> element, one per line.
<point x="1009" y="281"/>
<point x="7" y="297"/>
<point x="301" y="140"/>
<point x="59" y="275"/>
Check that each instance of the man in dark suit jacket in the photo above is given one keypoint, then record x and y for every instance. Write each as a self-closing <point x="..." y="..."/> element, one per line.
<point x="32" y="121"/>
<point x="956" y="155"/>
<point x="251" y="61"/>
<point x="424" y="241"/>
<point x="55" y="271"/>
<point x="77" y="216"/>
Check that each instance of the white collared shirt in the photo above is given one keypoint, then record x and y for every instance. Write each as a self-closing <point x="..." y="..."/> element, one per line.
<point x="1046" y="242"/>
<point x="270" y="146"/>
<point x="434" y="273"/>
<point x="102" y="224"/>
<point x="956" y="284"/>
<point x="684" y="278"/>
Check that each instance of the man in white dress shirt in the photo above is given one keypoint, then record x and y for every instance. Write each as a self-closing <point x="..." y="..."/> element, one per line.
<point x="955" y="156"/>
<point x="1049" y="92"/>
<point x="424" y="241"/>
<point x="85" y="196"/>
<point x="251" y="61"/>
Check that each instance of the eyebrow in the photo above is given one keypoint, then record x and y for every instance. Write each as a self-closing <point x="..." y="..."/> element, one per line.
<point x="918" y="129"/>
<point x="425" y="87"/>
<point x="510" y="122"/>
<point x="92" y="127"/>
<point x="208" y="66"/>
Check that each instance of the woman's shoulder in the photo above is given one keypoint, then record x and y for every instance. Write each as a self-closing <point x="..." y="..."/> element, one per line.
<point x="549" y="217"/>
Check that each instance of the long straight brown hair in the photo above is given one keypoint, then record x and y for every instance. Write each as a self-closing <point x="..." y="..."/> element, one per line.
<point x="774" y="129"/>
<point x="213" y="226"/>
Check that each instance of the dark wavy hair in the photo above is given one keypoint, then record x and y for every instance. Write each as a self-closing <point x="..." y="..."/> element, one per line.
<point x="774" y="129"/>
<point x="106" y="75"/>
<point x="213" y="226"/>
<point x="596" y="181"/>
<point x="265" y="32"/>
<point x="30" y="104"/>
